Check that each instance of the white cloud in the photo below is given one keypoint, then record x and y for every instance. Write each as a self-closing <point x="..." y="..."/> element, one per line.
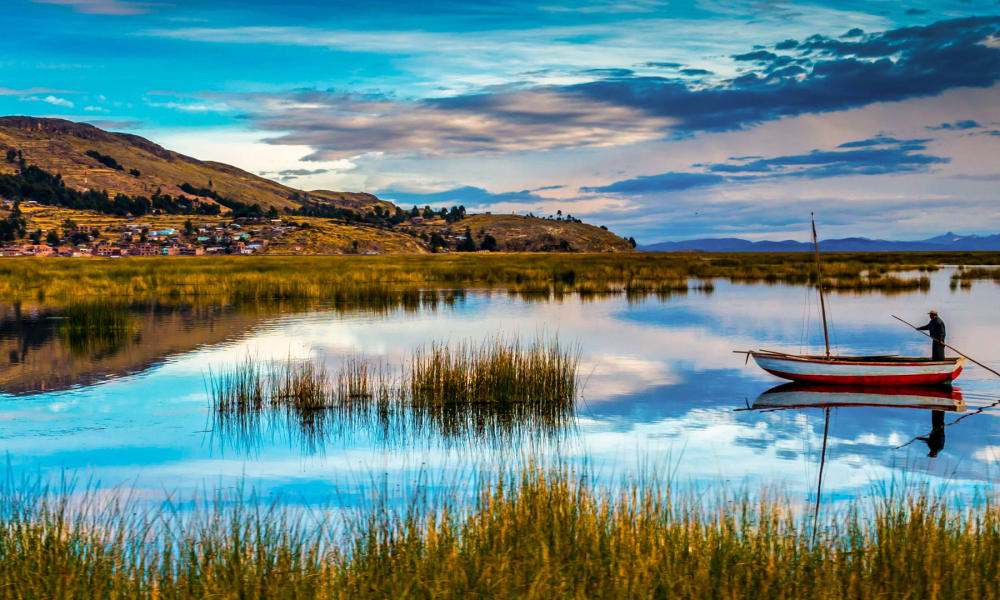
<point x="54" y="100"/>
<point x="103" y="7"/>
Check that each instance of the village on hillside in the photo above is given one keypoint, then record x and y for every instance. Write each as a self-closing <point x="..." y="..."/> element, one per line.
<point x="135" y="237"/>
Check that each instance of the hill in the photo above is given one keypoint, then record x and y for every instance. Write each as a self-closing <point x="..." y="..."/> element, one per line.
<point x="519" y="233"/>
<point x="72" y="177"/>
<point x="949" y="242"/>
<point x="90" y="158"/>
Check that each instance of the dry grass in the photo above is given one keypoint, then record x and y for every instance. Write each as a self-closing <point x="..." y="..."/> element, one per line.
<point x="262" y="278"/>
<point x="529" y="533"/>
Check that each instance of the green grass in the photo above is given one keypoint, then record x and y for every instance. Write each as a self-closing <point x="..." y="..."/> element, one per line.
<point x="298" y="277"/>
<point x="528" y="533"/>
<point x="486" y="391"/>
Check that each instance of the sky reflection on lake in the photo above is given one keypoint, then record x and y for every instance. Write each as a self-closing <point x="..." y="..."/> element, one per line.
<point x="661" y="387"/>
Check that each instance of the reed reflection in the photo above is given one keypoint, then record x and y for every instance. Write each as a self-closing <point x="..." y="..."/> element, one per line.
<point x="492" y="392"/>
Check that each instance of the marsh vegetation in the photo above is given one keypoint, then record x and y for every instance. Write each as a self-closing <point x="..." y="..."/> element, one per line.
<point x="524" y="533"/>
<point x="468" y="390"/>
<point x="234" y="279"/>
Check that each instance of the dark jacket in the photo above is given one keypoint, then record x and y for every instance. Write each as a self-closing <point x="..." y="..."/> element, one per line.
<point x="935" y="328"/>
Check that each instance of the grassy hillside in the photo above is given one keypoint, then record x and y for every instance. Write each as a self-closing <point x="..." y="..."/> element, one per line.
<point x="518" y="233"/>
<point x="60" y="146"/>
<point x="321" y="237"/>
<point x="88" y="158"/>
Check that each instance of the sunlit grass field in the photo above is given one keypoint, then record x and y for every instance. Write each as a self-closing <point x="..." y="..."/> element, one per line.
<point x="326" y="277"/>
<point x="524" y="533"/>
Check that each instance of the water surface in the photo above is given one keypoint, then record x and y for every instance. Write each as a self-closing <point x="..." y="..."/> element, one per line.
<point x="662" y="390"/>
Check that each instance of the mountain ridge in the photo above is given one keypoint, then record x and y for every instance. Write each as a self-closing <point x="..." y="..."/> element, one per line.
<point x="941" y="243"/>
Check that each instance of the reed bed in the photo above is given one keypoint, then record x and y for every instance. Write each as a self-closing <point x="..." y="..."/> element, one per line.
<point x="487" y="391"/>
<point x="965" y="276"/>
<point x="241" y="279"/>
<point x="93" y="327"/>
<point x="496" y="371"/>
<point x="525" y="533"/>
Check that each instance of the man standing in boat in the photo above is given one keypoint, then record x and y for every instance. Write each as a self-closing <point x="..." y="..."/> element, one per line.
<point x="936" y="330"/>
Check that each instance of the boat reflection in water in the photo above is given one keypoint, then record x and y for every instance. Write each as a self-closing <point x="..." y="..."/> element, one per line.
<point x="804" y="395"/>
<point x="938" y="400"/>
<point x="795" y="396"/>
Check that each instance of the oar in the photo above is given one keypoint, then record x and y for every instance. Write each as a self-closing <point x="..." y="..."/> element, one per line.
<point x="948" y="346"/>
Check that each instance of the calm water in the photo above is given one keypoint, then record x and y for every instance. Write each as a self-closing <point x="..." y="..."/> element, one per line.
<point x="662" y="389"/>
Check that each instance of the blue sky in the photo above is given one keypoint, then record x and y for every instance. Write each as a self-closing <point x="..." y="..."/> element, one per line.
<point x="659" y="120"/>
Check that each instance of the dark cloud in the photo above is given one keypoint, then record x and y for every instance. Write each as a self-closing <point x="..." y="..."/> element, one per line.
<point x="853" y="33"/>
<point x="876" y="156"/>
<point x="786" y="45"/>
<point x="696" y="72"/>
<point x="620" y="107"/>
<point x="957" y="125"/>
<point x="663" y="65"/>
<point x="757" y="55"/>
<point x="917" y="11"/>
<point x="664" y="182"/>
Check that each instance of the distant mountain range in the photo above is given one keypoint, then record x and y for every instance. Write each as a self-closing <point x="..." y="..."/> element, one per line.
<point x="943" y="243"/>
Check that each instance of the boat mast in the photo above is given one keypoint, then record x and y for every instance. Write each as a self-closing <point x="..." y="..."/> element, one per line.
<point x="822" y="463"/>
<point x="819" y="286"/>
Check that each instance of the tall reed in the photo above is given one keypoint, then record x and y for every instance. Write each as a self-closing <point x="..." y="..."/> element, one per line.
<point x="488" y="391"/>
<point x="527" y="533"/>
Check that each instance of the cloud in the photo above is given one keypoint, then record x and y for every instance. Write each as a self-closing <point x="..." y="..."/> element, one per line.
<point x="109" y="125"/>
<point x="620" y="107"/>
<point x="876" y="156"/>
<point x="290" y="174"/>
<point x="957" y="125"/>
<point x="757" y="55"/>
<point x="664" y="182"/>
<point x="343" y="125"/>
<point x="54" y="100"/>
<point x="104" y="7"/>
<point x="192" y="106"/>
<point x="467" y="195"/>
<point x="33" y="90"/>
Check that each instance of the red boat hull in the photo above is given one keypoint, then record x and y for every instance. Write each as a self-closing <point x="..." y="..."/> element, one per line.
<point x="843" y="370"/>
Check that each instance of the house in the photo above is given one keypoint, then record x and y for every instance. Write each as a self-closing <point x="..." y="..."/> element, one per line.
<point x="143" y="250"/>
<point x="37" y="250"/>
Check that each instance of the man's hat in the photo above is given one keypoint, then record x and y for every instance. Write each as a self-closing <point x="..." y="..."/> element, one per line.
<point x="932" y="312"/>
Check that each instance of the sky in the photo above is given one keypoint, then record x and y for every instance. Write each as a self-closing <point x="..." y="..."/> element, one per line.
<point x="660" y="120"/>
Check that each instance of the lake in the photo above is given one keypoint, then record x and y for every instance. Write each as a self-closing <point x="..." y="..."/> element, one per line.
<point x="662" y="394"/>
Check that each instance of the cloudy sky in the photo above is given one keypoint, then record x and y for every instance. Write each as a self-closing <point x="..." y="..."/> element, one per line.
<point x="661" y="120"/>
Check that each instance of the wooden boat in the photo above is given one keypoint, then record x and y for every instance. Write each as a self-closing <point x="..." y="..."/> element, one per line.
<point x="806" y="395"/>
<point x="881" y="371"/>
